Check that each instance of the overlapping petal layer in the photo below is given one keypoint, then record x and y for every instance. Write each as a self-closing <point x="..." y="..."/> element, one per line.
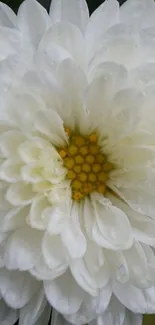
<point x="88" y="258"/>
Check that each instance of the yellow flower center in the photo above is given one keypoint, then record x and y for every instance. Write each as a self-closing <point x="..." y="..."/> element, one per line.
<point x="87" y="168"/>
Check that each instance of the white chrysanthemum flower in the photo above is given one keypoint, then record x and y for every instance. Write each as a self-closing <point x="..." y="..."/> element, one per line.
<point x="77" y="161"/>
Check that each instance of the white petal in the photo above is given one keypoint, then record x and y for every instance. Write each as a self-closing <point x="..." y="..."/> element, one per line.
<point x="141" y="153"/>
<point x="4" y="205"/>
<point x="37" y="149"/>
<point x="30" y="313"/>
<point x="60" y="194"/>
<point x="10" y="218"/>
<point x="9" y="142"/>
<point x="10" y="171"/>
<point x="118" y="47"/>
<point x="94" y="257"/>
<point x="139" y="200"/>
<point x="126" y="106"/>
<point x="98" y="96"/>
<point x="118" y="266"/>
<point x="23" y="249"/>
<point x="14" y="218"/>
<point x="37" y="218"/>
<point x="103" y="17"/>
<point x="29" y="151"/>
<point x="7" y="16"/>
<point x="74" y="11"/>
<point x="50" y="124"/>
<point x="17" y="287"/>
<point x="57" y="319"/>
<point x="143" y="75"/>
<point x="83" y="316"/>
<point x="99" y="238"/>
<point x="132" y="319"/>
<point x="149" y="295"/>
<point x="83" y="277"/>
<point x="31" y="173"/>
<point x="114" y="315"/>
<point x="91" y="306"/>
<point x="8" y="316"/>
<point x="64" y="294"/>
<point x="4" y="127"/>
<point x="137" y="177"/>
<point x="23" y="109"/>
<point x="57" y="217"/>
<point x="143" y="302"/>
<point x="143" y="227"/>
<point x="69" y="38"/>
<point x="100" y="271"/>
<point x="53" y="251"/>
<point x="101" y="302"/>
<point x="12" y="67"/>
<point x="73" y="81"/>
<point x="11" y="43"/>
<point x="96" y="264"/>
<point x="147" y="41"/>
<point x="149" y="253"/>
<point x="20" y="194"/>
<point x="87" y="215"/>
<point x="45" y="78"/>
<point x="33" y="20"/>
<point x="3" y="240"/>
<point x="72" y="236"/>
<point x="137" y="265"/>
<point x="45" y="317"/>
<point x="132" y="11"/>
<point x="48" y="58"/>
<point x="112" y="224"/>
<point x="41" y="271"/>
<point x="116" y="75"/>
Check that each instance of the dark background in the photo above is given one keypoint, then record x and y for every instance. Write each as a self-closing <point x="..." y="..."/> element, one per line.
<point x="92" y="4"/>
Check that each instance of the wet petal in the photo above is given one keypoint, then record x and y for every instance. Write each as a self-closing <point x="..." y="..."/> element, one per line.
<point x="118" y="265"/>
<point x="143" y="227"/>
<point x="106" y="15"/>
<point x="37" y="218"/>
<point x="33" y="26"/>
<point x="68" y="37"/>
<point x="112" y="224"/>
<point x="72" y="11"/>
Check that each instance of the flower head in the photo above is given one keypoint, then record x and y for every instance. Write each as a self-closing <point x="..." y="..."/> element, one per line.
<point x="77" y="156"/>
